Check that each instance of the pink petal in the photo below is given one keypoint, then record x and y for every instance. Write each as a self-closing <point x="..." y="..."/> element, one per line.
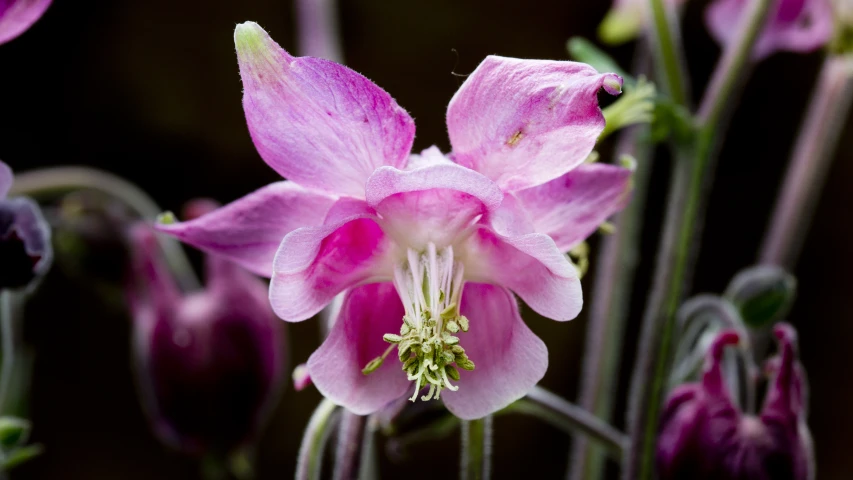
<point x="525" y="122"/>
<point x="435" y="203"/>
<point x="793" y="25"/>
<point x="571" y="208"/>
<point x="5" y="179"/>
<point x="531" y="266"/>
<point x="509" y="359"/>
<point x="16" y="16"/>
<point x="368" y="312"/>
<point x="314" y="264"/>
<point x="315" y="122"/>
<point x="250" y="230"/>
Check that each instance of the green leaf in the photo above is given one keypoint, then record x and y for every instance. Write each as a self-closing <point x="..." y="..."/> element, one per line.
<point x="763" y="294"/>
<point x="585" y="51"/>
<point x="14" y="432"/>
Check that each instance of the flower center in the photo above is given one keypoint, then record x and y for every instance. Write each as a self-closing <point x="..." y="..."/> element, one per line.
<point x="430" y="285"/>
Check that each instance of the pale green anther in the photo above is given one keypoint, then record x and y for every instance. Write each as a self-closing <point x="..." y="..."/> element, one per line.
<point x="457" y="349"/>
<point x="166" y="218"/>
<point x="448" y="356"/>
<point x="465" y="364"/>
<point x="409" y="322"/>
<point x="450" y="339"/>
<point x="426" y="348"/>
<point x="372" y="366"/>
<point x="452" y="326"/>
<point x="452" y="372"/>
<point x="404" y="330"/>
<point x="449" y="311"/>
<point x="409" y="362"/>
<point x="391" y="338"/>
<point x="463" y="322"/>
<point x="404" y="353"/>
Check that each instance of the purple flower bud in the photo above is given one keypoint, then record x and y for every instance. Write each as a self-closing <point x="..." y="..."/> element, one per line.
<point x="705" y="436"/>
<point x="210" y="363"/>
<point x="25" y="249"/>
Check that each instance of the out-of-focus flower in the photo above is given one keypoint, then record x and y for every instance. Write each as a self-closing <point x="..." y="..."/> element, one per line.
<point x="792" y="25"/>
<point x="626" y="19"/>
<point x="425" y="246"/>
<point x="704" y="436"/>
<point x="16" y="16"/>
<point x="25" y="249"/>
<point x="209" y="363"/>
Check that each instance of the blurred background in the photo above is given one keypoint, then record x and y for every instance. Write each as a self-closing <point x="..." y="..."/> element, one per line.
<point x="150" y="90"/>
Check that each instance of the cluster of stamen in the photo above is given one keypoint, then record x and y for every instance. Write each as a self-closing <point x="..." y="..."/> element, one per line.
<point x="430" y="286"/>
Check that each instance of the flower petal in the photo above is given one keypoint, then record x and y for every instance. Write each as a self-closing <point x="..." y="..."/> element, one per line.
<point x="571" y="207"/>
<point x="314" y="264"/>
<point x="5" y="179"/>
<point x="435" y="203"/>
<point x="529" y="265"/>
<point x="315" y="122"/>
<point x="794" y="25"/>
<point x="250" y="230"/>
<point x="368" y="312"/>
<point x="25" y="248"/>
<point x="525" y="122"/>
<point x="16" y="16"/>
<point x="510" y="359"/>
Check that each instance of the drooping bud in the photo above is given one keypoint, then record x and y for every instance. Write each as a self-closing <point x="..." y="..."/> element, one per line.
<point x="763" y="294"/>
<point x="209" y="363"/>
<point x="704" y="436"/>
<point x="25" y="249"/>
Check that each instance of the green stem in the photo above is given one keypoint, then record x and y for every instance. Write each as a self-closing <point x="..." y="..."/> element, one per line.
<point x="691" y="177"/>
<point x="615" y="270"/>
<point x="350" y="439"/>
<point x="476" y="459"/>
<point x="8" y="345"/>
<point x="310" y="461"/>
<point x="58" y="180"/>
<point x="570" y="418"/>
<point x="810" y="161"/>
<point x="669" y="58"/>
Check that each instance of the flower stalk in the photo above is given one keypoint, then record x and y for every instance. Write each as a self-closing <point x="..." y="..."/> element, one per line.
<point x="666" y="43"/>
<point x="476" y="460"/>
<point x="347" y="455"/>
<point x="318" y="29"/>
<point x="309" y="463"/>
<point x="688" y="191"/>
<point x="810" y="161"/>
<point x="8" y="345"/>
<point x="47" y="182"/>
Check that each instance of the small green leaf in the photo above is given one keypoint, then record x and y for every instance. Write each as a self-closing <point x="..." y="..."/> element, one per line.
<point x="585" y="51"/>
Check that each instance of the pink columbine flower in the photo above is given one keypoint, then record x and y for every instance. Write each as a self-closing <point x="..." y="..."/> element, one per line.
<point x="427" y="248"/>
<point x="16" y="16"/>
<point x="705" y="436"/>
<point x="793" y="25"/>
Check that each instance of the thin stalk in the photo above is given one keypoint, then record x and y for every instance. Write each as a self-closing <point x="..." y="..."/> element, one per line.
<point x="570" y="418"/>
<point x="669" y="58"/>
<point x="615" y="270"/>
<point x="318" y="29"/>
<point x="688" y="191"/>
<point x="810" y="161"/>
<point x="8" y="345"/>
<point x="476" y="459"/>
<point x="368" y="465"/>
<point x="47" y="182"/>
<point x="309" y="463"/>
<point x="347" y="454"/>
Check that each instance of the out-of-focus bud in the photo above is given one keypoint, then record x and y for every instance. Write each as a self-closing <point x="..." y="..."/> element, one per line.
<point x="704" y="436"/>
<point x="16" y="16"/>
<point x="25" y="249"/>
<point x="209" y="363"/>
<point x="763" y="294"/>
<point x="626" y="19"/>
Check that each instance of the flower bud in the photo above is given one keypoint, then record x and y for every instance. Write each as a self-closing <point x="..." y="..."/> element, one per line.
<point x="25" y="249"/>
<point x="209" y="363"/>
<point x="763" y="294"/>
<point x="704" y="436"/>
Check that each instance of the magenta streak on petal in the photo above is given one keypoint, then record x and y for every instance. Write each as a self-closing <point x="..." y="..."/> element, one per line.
<point x="509" y="358"/>
<point x="368" y="312"/>
<point x="315" y="122"/>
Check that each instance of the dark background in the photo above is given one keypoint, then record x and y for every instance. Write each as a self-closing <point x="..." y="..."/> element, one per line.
<point x="150" y="90"/>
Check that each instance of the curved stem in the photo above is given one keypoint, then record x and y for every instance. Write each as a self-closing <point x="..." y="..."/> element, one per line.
<point x="8" y="345"/>
<point x="669" y="58"/>
<point x="570" y="418"/>
<point x="347" y="455"/>
<point x="59" y="180"/>
<point x="476" y="460"/>
<point x="687" y="194"/>
<point x="310" y="460"/>
<point x="318" y="29"/>
<point x="809" y="162"/>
